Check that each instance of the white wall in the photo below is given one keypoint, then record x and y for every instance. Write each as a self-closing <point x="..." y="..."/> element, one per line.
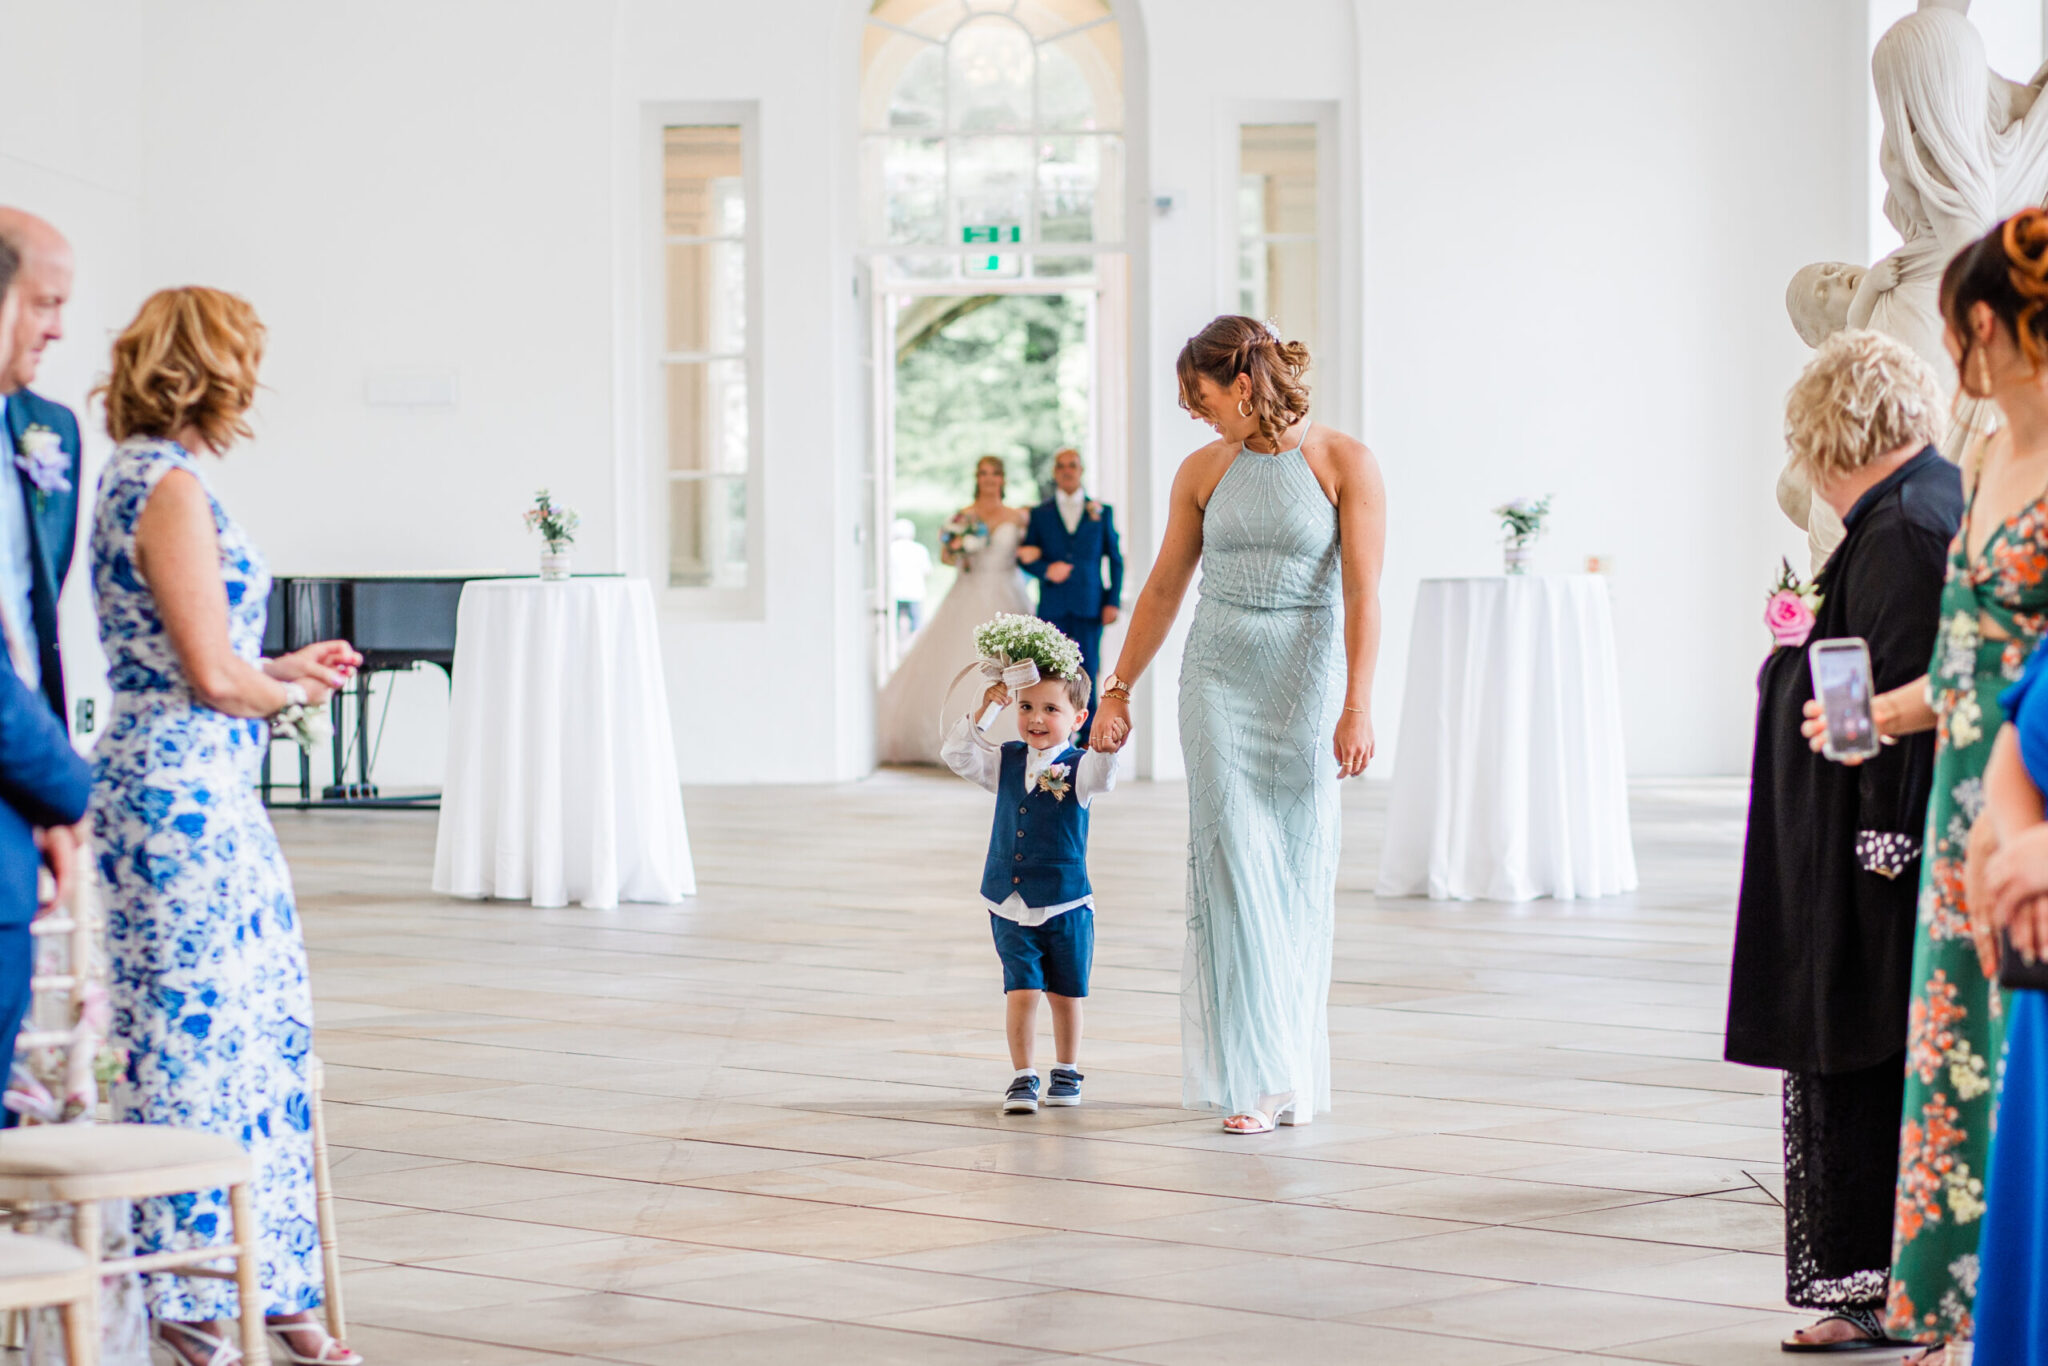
<point x="1573" y="227"/>
<point x="1580" y="222"/>
<point x="70" y="150"/>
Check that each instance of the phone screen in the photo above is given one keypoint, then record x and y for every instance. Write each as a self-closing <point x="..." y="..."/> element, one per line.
<point x="1841" y="680"/>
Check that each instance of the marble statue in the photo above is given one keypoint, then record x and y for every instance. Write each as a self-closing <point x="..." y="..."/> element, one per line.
<point x="1963" y="147"/>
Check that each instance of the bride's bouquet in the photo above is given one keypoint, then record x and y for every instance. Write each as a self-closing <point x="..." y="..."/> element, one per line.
<point x="964" y="535"/>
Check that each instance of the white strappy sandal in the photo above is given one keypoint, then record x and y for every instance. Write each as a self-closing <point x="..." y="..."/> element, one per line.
<point x="1271" y="1112"/>
<point x="224" y="1352"/>
<point x="333" y="1351"/>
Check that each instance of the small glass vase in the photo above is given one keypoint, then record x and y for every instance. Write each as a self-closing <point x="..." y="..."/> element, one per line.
<point x="1515" y="555"/>
<point x="554" y="564"/>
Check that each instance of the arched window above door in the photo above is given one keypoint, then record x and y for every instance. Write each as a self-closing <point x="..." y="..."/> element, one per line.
<point x="992" y="138"/>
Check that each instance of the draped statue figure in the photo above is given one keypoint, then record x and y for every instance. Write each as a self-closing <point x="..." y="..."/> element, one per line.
<point x="1963" y="147"/>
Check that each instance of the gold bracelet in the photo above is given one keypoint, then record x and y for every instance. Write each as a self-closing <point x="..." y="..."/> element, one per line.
<point x="1120" y="694"/>
<point x="1360" y="710"/>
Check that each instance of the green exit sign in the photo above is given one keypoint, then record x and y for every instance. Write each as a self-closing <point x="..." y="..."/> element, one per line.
<point x="991" y="232"/>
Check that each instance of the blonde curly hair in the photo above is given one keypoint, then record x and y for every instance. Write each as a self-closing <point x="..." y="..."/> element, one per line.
<point x="1861" y="395"/>
<point x="189" y="359"/>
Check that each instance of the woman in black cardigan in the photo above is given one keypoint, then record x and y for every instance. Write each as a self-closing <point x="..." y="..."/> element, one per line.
<point x="1824" y="929"/>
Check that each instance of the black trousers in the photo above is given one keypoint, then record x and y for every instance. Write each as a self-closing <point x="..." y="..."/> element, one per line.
<point x="1841" y="1175"/>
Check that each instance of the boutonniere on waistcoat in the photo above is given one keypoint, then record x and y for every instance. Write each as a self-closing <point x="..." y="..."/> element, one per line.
<point x="40" y="455"/>
<point x="1053" y="778"/>
<point x="1093" y="509"/>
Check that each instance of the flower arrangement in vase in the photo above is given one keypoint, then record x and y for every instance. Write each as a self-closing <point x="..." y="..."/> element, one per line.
<point x="1522" y="521"/>
<point x="963" y="535"/>
<point x="1789" y="610"/>
<point x="557" y="527"/>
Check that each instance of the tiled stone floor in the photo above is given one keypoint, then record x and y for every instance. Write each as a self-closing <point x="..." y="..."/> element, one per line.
<point x="761" y="1127"/>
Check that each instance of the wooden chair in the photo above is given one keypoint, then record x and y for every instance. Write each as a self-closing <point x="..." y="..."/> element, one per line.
<point x="35" y="1272"/>
<point x="82" y="1164"/>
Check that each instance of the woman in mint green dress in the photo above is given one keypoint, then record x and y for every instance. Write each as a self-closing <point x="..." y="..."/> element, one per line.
<point x="1288" y="523"/>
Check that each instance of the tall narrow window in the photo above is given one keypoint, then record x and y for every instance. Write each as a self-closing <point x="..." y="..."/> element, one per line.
<point x="1278" y="236"/>
<point x="706" y="350"/>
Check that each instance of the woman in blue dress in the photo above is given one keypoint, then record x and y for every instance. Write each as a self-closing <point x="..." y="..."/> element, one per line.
<point x="207" y="968"/>
<point x="2009" y="870"/>
<point x="1287" y="521"/>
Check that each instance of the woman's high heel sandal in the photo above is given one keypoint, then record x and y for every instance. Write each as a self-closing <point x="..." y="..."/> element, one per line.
<point x="220" y="1351"/>
<point x="333" y="1351"/>
<point x="1272" y="1111"/>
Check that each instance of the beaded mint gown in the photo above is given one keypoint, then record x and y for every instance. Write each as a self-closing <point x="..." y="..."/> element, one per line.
<point x="1261" y="689"/>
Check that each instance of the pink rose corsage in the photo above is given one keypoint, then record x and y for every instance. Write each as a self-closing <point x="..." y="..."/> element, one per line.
<point x="1789" y="611"/>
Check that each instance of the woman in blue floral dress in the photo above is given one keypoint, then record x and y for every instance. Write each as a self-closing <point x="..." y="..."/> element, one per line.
<point x="208" y="971"/>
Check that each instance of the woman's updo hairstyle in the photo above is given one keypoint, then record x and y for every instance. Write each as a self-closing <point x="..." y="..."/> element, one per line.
<point x="2007" y="271"/>
<point x="1234" y="345"/>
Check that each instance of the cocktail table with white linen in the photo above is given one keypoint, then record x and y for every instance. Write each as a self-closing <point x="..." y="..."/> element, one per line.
<point x="1510" y="781"/>
<point x="561" y="782"/>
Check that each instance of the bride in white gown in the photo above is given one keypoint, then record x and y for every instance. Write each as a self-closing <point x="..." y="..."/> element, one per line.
<point x="907" y="720"/>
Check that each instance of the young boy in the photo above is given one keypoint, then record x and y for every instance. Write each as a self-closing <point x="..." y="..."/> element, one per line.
<point x="1035" y="882"/>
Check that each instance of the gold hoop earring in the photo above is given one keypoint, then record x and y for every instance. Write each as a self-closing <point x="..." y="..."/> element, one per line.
<point x="1244" y="407"/>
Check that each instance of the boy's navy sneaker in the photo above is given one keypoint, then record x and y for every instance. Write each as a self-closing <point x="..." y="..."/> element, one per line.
<point x="1022" y="1098"/>
<point x="1065" y="1088"/>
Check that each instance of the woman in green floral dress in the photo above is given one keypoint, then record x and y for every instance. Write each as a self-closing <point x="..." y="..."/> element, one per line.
<point x="1994" y="612"/>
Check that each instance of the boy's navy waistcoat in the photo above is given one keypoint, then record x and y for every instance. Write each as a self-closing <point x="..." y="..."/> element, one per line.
<point x="1039" y="845"/>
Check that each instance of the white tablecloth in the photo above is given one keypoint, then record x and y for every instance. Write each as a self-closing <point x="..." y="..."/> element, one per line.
<point x="561" y="778"/>
<point x="1510" y="781"/>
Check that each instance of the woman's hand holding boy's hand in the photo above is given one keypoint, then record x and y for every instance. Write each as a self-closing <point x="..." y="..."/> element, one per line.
<point x="1112" y="725"/>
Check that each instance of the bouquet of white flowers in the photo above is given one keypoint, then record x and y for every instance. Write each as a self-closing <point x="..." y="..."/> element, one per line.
<point x="1016" y="651"/>
<point x="1010" y="639"/>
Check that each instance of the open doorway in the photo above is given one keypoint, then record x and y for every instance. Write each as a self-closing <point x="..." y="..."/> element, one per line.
<point x="993" y="235"/>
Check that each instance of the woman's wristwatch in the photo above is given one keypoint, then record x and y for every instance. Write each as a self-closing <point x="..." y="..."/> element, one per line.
<point x="1112" y="686"/>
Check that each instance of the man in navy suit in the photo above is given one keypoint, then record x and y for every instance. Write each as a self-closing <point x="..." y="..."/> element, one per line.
<point x="1075" y="537"/>
<point x="39" y="484"/>
<point x="44" y="785"/>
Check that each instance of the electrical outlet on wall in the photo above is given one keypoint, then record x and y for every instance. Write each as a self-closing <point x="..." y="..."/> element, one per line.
<point x="84" y="714"/>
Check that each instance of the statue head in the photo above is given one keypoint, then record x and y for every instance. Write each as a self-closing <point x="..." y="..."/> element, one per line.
<point x="1818" y="299"/>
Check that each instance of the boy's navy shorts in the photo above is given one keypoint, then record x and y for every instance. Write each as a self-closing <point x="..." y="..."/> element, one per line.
<point x="1051" y="957"/>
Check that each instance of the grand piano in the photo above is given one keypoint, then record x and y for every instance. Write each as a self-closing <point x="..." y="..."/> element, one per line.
<point x="398" y="621"/>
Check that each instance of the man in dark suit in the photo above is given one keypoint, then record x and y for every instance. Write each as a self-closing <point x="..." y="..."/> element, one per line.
<point x="39" y="484"/>
<point x="44" y="785"/>
<point x="1075" y="537"/>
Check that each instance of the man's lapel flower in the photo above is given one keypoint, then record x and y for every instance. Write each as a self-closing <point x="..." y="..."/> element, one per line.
<point x="1053" y="778"/>
<point x="1093" y="509"/>
<point x="40" y="455"/>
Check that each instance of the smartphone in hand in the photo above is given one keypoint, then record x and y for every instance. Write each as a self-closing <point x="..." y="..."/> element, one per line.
<point x="1841" y="680"/>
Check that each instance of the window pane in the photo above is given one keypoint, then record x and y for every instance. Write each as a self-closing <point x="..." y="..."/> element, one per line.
<point x="1277" y="284"/>
<point x="1081" y="81"/>
<point x="1062" y="267"/>
<point x="707" y="297"/>
<point x="922" y="268"/>
<point x="707" y="416"/>
<point x="906" y="191"/>
<point x="992" y="184"/>
<point x="1281" y="159"/>
<point x="707" y="540"/>
<point x="1080" y="190"/>
<point x="992" y="63"/>
<point x="704" y="189"/>
<point x="918" y="100"/>
<point x="1050" y="18"/>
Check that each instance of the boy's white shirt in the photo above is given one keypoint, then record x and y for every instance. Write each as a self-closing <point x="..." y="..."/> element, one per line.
<point x="969" y="753"/>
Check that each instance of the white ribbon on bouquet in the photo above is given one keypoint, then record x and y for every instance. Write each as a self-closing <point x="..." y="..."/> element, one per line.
<point x="1015" y="677"/>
